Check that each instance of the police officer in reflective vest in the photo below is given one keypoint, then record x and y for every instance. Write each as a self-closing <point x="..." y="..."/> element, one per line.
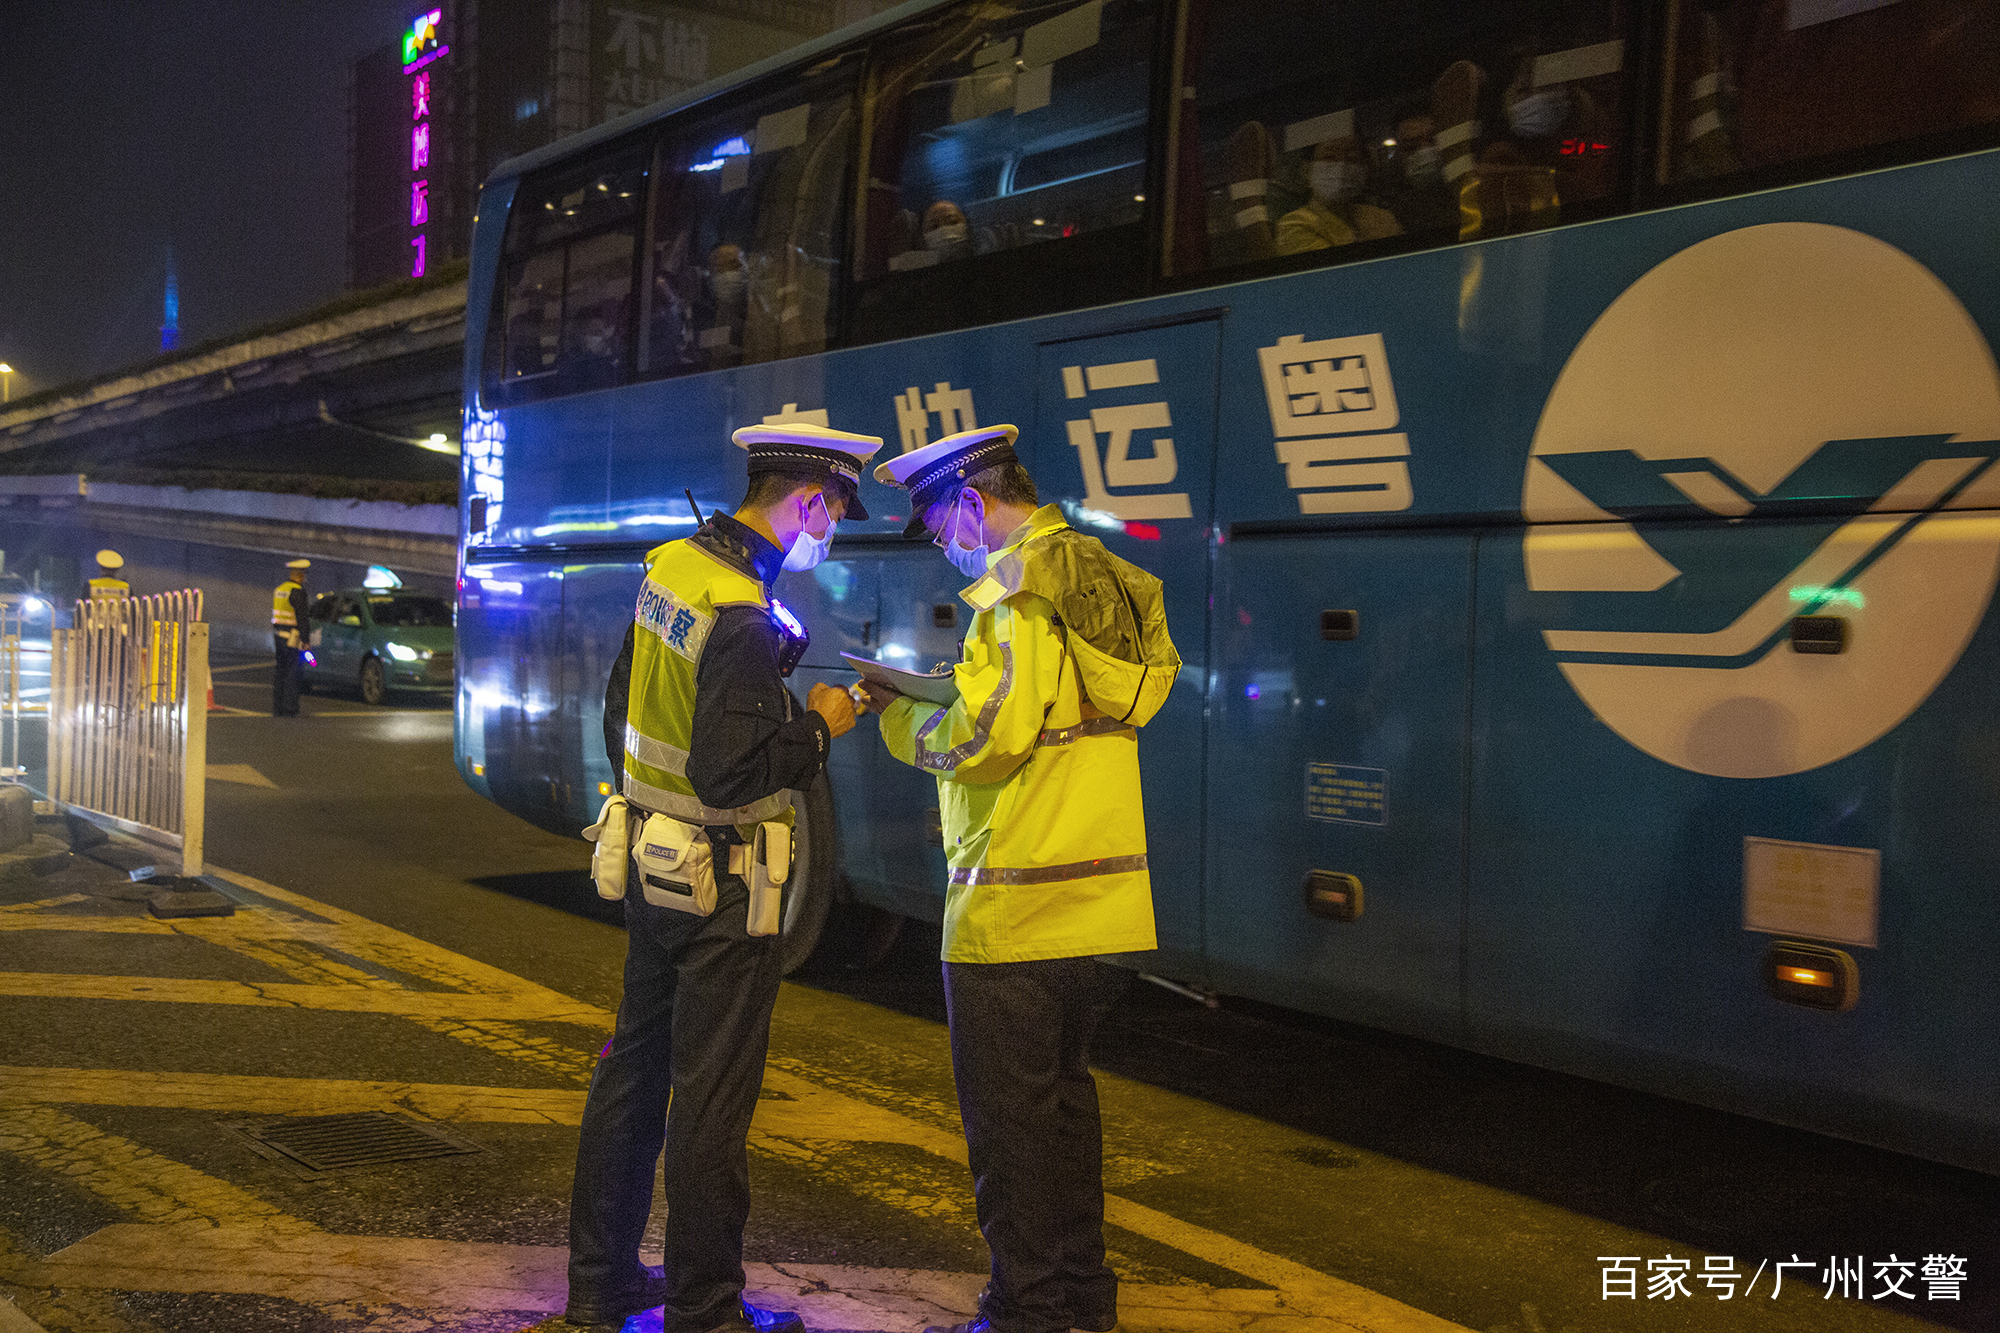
<point x="710" y="745"/>
<point x="1037" y="763"/>
<point x="288" y="629"/>
<point x="108" y="582"/>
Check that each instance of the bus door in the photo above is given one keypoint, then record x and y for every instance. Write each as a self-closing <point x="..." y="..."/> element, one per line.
<point x="1124" y="440"/>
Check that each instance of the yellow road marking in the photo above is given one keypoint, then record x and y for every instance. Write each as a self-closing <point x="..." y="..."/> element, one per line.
<point x="290" y="995"/>
<point x="18" y="911"/>
<point x="434" y="1276"/>
<point x="252" y="1094"/>
<point x="135" y="1179"/>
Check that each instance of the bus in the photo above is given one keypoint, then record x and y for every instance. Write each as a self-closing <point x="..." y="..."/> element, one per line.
<point x="1566" y="430"/>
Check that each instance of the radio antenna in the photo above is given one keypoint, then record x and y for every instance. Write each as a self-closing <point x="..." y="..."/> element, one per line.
<point x="698" y="519"/>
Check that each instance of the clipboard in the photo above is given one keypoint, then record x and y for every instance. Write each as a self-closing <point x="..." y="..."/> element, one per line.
<point x="940" y="689"/>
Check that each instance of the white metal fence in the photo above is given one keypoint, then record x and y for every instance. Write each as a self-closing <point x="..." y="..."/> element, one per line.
<point x="12" y="616"/>
<point x="128" y="718"/>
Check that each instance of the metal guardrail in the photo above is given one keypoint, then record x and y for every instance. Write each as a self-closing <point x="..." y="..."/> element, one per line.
<point x="128" y="718"/>
<point x="11" y="617"/>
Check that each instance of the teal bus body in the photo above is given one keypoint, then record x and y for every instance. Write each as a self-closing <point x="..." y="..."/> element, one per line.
<point x="1462" y="620"/>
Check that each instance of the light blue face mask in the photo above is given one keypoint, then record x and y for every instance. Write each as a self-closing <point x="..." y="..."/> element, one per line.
<point x="807" y="550"/>
<point x="966" y="560"/>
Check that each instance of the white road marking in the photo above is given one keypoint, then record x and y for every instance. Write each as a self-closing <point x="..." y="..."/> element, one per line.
<point x="239" y="773"/>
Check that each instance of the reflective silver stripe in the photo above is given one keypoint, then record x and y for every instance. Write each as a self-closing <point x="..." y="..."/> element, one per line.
<point x="1104" y="865"/>
<point x="687" y="808"/>
<point x="980" y="728"/>
<point x="655" y="753"/>
<point x="1096" y="726"/>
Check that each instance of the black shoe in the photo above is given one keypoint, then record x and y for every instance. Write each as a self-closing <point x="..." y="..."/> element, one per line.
<point x="977" y="1324"/>
<point x="1095" y="1324"/>
<point x="755" y="1319"/>
<point x="615" y="1309"/>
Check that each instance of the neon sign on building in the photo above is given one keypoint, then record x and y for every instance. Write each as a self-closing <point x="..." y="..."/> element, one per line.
<point x="423" y="43"/>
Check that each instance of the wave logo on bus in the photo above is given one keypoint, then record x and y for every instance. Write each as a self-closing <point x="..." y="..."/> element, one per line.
<point x="1786" y="420"/>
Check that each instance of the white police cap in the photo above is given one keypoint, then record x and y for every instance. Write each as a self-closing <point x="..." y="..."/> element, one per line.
<point x="935" y="471"/>
<point x="802" y="447"/>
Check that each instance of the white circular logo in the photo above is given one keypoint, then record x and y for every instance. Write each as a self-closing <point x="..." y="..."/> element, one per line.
<point x="1763" y="377"/>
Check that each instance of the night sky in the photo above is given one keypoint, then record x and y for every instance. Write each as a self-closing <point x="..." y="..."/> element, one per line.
<point x="127" y="126"/>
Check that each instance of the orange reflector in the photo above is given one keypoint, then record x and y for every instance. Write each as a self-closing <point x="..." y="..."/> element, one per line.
<point x="1808" y="977"/>
<point x="479" y="770"/>
<point x="603" y="789"/>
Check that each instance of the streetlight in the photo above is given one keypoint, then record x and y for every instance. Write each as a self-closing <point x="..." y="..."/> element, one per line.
<point x="6" y="382"/>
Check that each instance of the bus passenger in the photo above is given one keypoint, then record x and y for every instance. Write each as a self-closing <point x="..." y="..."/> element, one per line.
<point x="1417" y="193"/>
<point x="946" y="232"/>
<point x="727" y="305"/>
<point x="1037" y="763"/>
<point x="1336" y="214"/>
<point x="710" y="744"/>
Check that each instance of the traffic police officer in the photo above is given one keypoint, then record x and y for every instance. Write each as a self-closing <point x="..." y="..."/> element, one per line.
<point x="288" y="629"/>
<point x="1037" y="763"/>
<point x="699" y="722"/>
<point x="108" y="583"/>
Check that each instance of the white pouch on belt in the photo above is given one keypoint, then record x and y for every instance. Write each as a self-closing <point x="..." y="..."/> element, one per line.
<point x="770" y="862"/>
<point x="676" y="865"/>
<point x="612" y="858"/>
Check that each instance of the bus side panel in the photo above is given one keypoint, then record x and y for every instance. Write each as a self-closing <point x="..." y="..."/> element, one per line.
<point x="516" y="743"/>
<point x="1347" y="756"/>
<point x="598" y="597"/>
<point x="1606" y="919"/>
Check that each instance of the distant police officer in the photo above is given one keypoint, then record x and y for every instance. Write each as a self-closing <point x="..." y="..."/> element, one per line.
<point x="1037" y="763"/>
<point x="109" y="583"/>
<point x="288" y="629"/>
<point x="698" y="721"/>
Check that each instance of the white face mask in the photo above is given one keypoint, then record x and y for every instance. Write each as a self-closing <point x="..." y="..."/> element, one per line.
<point x="945" y="236"/>
<point x="1421" y="166"/>
<point x="1337" y="182"/>
<point x="968" y="561"/>
<point x="807" y="550"/>
<point x="1539" y="115"/>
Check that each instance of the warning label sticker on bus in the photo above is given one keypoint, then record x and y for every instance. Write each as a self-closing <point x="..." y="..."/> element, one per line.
<point x="1344" y="794"/>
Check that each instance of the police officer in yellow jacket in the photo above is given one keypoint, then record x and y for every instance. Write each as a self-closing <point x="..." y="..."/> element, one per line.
<point x="1038" y="785"/>
<point x="109" y="581"/>
<point x="710" y="744"/>
<point x="289" y="627"/>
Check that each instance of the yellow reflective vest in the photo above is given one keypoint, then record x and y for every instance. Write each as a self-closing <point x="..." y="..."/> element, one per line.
<point x="685" y="586"/>
<point x="282" y="615"/>
<point x="102" y="588"/>
<point x="1044" y="827"/>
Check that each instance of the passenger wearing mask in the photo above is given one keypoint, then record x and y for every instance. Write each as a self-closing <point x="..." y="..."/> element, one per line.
<point x="946" y="232"/>
<point x="1335" y="215"/>
<point x="728" y="286"/>
<point x="1417" y="192"/>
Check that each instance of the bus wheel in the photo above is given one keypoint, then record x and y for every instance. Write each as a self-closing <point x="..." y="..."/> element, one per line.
<point x="808" y="895"/>
<point x="374" y="681"/>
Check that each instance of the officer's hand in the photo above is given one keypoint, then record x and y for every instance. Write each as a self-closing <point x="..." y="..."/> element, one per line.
<point x="880" y="696"/>
<point x="834" y="705"/>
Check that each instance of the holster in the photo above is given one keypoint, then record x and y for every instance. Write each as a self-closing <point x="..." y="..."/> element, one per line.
<point x="611" y="860"/>
<point x="764" y="865"/>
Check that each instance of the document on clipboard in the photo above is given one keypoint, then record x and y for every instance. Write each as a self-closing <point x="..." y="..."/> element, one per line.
<point x="936" y="689"/>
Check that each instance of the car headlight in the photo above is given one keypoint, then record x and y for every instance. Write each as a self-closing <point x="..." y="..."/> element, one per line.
<point x="34" y="606"/>
<point x="400" y="653"/>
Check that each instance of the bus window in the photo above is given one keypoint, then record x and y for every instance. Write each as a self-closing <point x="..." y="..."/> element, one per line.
<point x="747" y="234"/>
<point x="1007" y="168"/>
<point x="1351" y="129"/>
<point x="1764" y="84"/>
<point x="571" y="248"/>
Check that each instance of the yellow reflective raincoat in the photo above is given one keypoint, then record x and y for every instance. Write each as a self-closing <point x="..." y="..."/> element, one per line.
<point x="1037" y="760"/>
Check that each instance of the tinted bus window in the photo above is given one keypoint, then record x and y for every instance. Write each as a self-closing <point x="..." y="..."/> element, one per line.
<point x="1353" y="128"/>
<point x="1753" y="84"/>
<point x="567" y="316"/>
<point x="1007" y="173"/>
<point x="747" y="227"/>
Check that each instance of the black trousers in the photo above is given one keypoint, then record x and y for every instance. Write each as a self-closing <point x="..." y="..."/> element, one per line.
<point x="694" y="1024"/>
<point x="1020" y="1052"/>
<point x="285" y="679"/>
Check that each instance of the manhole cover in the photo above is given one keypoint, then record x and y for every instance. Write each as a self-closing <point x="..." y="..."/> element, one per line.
<point x="341" y="1142"/>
